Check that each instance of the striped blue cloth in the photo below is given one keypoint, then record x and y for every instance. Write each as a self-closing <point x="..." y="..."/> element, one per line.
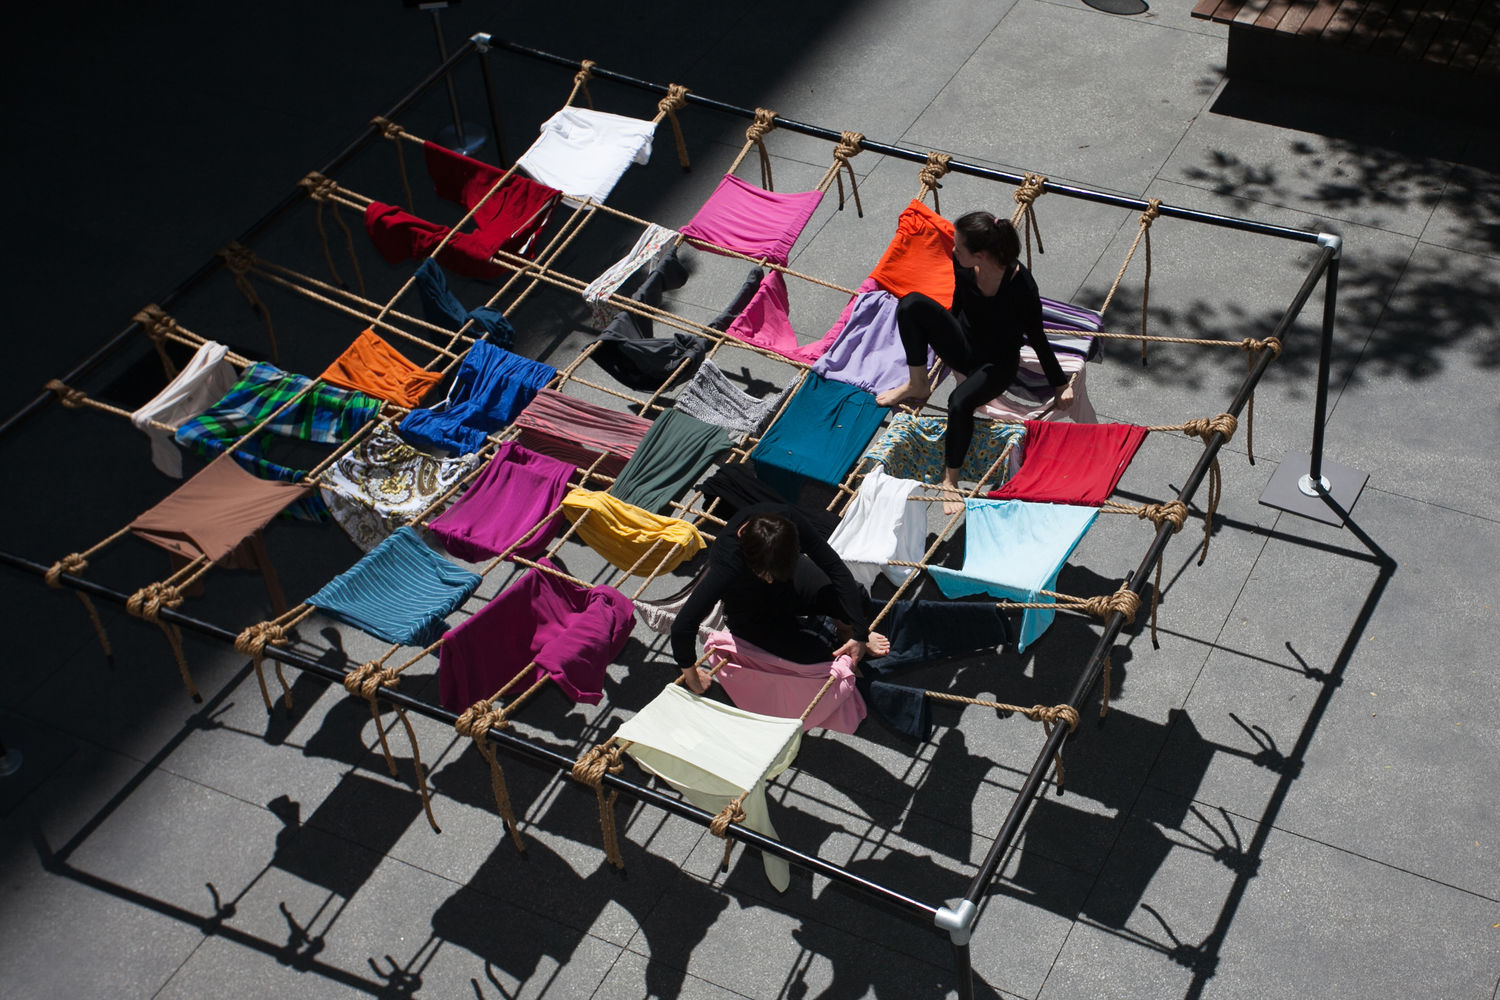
<point x="400" y="592"/>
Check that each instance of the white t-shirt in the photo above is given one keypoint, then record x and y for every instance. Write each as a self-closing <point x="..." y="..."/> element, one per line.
<point x="583" y="153"/>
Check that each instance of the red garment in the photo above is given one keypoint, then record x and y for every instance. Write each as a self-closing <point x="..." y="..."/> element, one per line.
<point x="920" y="257"/>
<point x="1072" y="463"/>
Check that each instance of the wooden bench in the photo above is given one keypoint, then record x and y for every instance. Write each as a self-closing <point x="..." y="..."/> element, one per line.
<point x="1419" y="51"/>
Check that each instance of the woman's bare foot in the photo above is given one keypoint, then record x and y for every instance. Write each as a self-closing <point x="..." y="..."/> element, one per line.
<point x="953" y="502"/>
<point x="910" y="392"/>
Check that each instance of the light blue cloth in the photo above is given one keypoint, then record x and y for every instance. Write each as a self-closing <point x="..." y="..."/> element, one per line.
<point x="401" y="592"/>
<point x="819" y="435"/>
<point x="1012" y="549"/>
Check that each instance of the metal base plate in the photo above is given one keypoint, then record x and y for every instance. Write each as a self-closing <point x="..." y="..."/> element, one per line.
<point x="1284" y="492"/>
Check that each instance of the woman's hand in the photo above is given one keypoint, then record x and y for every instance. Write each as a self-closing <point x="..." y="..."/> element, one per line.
<point x="697" y="679"/>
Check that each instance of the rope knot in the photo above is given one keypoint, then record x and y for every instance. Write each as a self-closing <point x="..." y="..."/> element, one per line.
<point x="1051" y="715"/>
<point x="368" y="678"/>
<point x="1152" y="212"/>
<point x="733" y="812"/>
<point x="149" y="600"/>
<point x="73" y="563"/>
<point x="156" y="321"/>
<point x="765" y="121"/>
<point x="676" y="98"/>
<point x="850" y="143"/>
<point x="239" y="258"/>
<point x="1272" y="344"/>
<point x="388" y="128"/>
<point x="1123" y="600"/>
<point x="478" y="719"/>
<point x="1031" y="186"/>
<point x="1206" y="427"/>
<point x="1173" y="512"/>
<point x="596" y="762"/>
<point x="585" y="72"/>
<point x="934" y="170"/>
<point x="253" y="641"/>
<point x="319" y="188"/>
<point x="67" y="395"/>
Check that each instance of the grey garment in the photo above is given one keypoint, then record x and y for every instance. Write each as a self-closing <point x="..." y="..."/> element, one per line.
<point x="714" y="399"/>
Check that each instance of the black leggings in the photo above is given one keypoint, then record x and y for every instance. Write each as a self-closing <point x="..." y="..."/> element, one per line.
<point x="924" y="323"/>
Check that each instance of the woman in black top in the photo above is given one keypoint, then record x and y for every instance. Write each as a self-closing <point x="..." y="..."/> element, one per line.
<point x="996" y="305"/>
<point x="770" y="567"/>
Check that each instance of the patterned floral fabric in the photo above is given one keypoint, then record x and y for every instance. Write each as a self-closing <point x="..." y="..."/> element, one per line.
<point x="912" y="448"/>
<point x="383" y="483"/>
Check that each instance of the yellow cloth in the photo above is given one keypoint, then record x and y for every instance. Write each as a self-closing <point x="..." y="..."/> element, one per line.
<point x="622" y="533"/>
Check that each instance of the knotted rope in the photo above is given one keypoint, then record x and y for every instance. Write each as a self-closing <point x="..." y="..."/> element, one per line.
<point x="322" y="191"/>
<point x="1049" y="716"/>
<point x="159" y="326"/>
<point x="1024" y="217"/>
<point x="147" y="603"/>
<point x="590" y="770"/>
<point x="394" y="133"/>
<point x="73" y="564"/>
<point x="733" y="812"/>
<point x="932" y="172"/>
<point x="1252" y="349"/>
<point x="1150" y="215"/>
<point x="366" y="680"/>
<point x="252" y="642"/>
<point x="1206" y="428"/>
<point x="581" y="82"/>
<point x="755" y="135"/>
<point x="676" y="98"/>
<point x="66" y="394"/>
<point x="850" y="143"/>
<point x="1173" y="512"/>
<point x="476" y="723"/>
<point x="239" y="260"/>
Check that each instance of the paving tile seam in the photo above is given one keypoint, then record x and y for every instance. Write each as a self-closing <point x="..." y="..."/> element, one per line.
<point x="1315" y="219"/>
<point x="204" y="939"/>
<point x="1374" y="328"/>
<point x="942" y="88"/>
<point x="1432" y="503"/>
<point x="1352" y="853"/>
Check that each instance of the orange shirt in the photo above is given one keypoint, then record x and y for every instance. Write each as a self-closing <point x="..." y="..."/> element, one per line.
<point x="372" y="366"/>
<point x="920" y="257"/>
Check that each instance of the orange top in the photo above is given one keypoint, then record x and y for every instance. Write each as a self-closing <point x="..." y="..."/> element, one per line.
<point x="920" y="257"/>
<point x="372" y="366"/>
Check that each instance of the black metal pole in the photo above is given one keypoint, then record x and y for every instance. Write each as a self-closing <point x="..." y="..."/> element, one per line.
<point x="437" y="30"/>
<point x="1082" y="690"/>
<point x="963" y="970"/>
<point x="916" y="156"/>
<point x="482" y="42"/>
<point x="1325" y="364"/>
<point x="255" y="229"/>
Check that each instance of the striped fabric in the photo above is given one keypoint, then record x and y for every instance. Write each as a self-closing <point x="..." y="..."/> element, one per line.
<point x="577" y="432"/>
<point x="401" y="592"/>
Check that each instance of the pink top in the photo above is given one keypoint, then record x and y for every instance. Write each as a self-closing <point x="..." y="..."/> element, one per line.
<point x="752" y="221"/>
<point x="759" y="682"/>
<point x="766" y="323"/>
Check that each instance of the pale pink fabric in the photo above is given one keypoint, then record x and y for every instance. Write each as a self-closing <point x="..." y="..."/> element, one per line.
<point x="768" y="685"/>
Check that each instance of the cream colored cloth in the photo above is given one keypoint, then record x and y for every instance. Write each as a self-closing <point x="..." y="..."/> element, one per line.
<point x="712" y="752"/>
<point x="202" y="383"/>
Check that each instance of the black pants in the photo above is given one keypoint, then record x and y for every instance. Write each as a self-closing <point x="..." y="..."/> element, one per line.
<point x="924" y="323"/>
<point x="784" y="633"/>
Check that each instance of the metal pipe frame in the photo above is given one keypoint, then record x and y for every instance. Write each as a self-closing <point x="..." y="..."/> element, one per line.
<point x="957" y="921"/>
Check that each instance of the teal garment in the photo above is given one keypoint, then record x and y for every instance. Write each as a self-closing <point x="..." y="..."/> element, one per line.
<point x="818" y="436"/>
<point x="1013" y="549"/>
<point x="401" y="592"/>
<point x="674" y="453"/>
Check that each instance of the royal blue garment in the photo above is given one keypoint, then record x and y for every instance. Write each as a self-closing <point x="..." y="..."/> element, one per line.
<point x="1013" y="549"/>
<point x="819" y="435"/>
<point x="491" y="387"/>
<point x="400" y="592"/>
<point x="440" y="304"/>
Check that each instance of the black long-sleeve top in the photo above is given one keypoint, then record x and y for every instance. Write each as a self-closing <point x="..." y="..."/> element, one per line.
<point x="753" y="607"/>
<point x="997" y="324"/>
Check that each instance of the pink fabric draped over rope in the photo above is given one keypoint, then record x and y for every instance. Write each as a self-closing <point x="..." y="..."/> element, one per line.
<point x="757" y="223"/>
<point x="1072" y="463"/>
<point x="517" y="489"/>
<point x="570" y="632"/>
<point x="766" y="323"/>
<point x="759" y="682"/>
<point x="573" y="431"/>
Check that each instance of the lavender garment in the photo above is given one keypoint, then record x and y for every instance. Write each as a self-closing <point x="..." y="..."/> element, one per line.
<point x="568" y="632"/>
<point x="868" y="352"/>
<point x="517" y="489"/>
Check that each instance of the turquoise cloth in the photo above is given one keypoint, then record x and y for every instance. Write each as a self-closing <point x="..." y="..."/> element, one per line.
<point x="819" y="435"/>
<point x="1013" y="549"/>
<point x="401" y="592"/>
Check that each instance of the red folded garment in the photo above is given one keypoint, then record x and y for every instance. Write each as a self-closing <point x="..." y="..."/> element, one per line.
<point x="1072" y="463"/>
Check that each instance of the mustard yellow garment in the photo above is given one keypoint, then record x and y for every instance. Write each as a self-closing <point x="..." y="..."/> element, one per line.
<point x="622" y="533"/>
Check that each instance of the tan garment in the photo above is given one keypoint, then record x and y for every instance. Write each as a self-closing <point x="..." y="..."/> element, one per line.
<point x="216" y="510"/>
